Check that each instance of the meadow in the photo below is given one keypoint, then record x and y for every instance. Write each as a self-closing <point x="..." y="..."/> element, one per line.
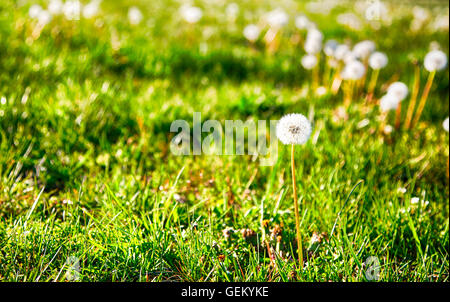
<point x="90" y="191"/>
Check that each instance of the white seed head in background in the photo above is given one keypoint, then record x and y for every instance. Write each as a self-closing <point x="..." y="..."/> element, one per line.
<point x="389" y="102"/>
<point x="251" y="32"/>
<point x="445" y="124"/>
<point x="378" y="60"/>
<point x="309" y="61"/>
<point x="302" y="22"/>
<point x="34" y="11"/>
<point x="72" y="10"/>
<point x="134" y="15"/>
<point x="398" y="90"/>
<point x="44" y="17"/>
<point x="55" y="7"/>
<point x="277" y="18"/>
<point x="293" y="129"/>
<point x="341" y="51"/>
<point x="91" y="9"/>
<point x="191" y="14"/>
<point x="330" y="47"/>
<point x="363" y="49"/>
<point x="353" y="70"/>
<point x="435" y="60"/>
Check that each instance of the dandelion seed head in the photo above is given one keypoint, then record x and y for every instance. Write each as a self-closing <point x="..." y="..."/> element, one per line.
<point x="34" y="11"/>
<point x="330" y="47"/>
<point x="55" y="7"/>
<point x="389" y="102"/>
<point x="341" y="51"/>
<point x="134" y="15"/>
<point x="435" y="60"/>
<point x="293" y="129"/>
<point x="191" y="14"/>
<point x="398" y="90"/>
<point x="302" y="22"/>
<point x="353" y="70"/>
<point x="277" y="18"/>
<point x="363" y="49"/>
<point x="72" y="10"/>
<point x="309" y="61"/>
<point x="251" y="32"/>
<point x="445" y="124"/>
<point x="378" y="60"/>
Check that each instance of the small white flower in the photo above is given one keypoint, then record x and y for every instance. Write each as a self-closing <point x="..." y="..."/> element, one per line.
<point x="251" y="32"/>
<point x="445" y="124"/>
<point x="363" y="49"/>
<point x="378" y="60"/>
<point x="330" y="47"/>
<point x="353" y="70"/>
<point x="389" y="102"/>
<point x="388" y="129"/>
<point x="398" y="90"/>
<point x="34" y="11"/>
<point x="277" y="18"/>
<point x="309" y="61"/>
<point x="191" y="14"/>
<point x="293" y="129"/>
<point x="435" y="60"/>
<point x="55" y="7"/>
<point x="134" y="15"/>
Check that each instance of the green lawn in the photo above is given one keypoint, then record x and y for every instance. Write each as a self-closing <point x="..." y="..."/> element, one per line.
<point x="86" y="172"/>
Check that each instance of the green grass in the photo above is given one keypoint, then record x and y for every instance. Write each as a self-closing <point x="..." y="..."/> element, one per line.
<point x="86" y="170"/>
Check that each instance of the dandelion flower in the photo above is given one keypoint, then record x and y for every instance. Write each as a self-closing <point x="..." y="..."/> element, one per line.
<point x="293" y="129"/>
<point x="389" y="102"/>
<point x="134" y="15"/>
<point x="251" y="32"/>
<point x="398" y="90"/>
<point x="435" y="60"/>
<point x="309" y="61"/>
<point x="353" y="70"/>
<point x="378" y="60"/>
<point x="445" y="124"/>
<point x="363" y="49"/>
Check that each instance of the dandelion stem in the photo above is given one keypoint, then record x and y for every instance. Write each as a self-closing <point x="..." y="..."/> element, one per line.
<point x="297" y="215"/>
<point x="398" y="115"/>
<point x="372" y="83"/>
<point x="423" y="99"/>
<point x="414" y="94"/>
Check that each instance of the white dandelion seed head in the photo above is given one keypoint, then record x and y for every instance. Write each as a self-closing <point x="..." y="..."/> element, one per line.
<point x="378" y="60"/>
<point x="232" y="10"/>
<point x="72" y="10"/>
<point x="363" y="49"/>
<point x="341" y="51"/>
<point x="398" y="90"/>
<point x="293" y="129"/>
<point x="389" y="102"/>
<point x="314" y="34"/>
<point x="134" y="15"/>
<point x="91" y="9"/>
<point x="191" y="14"/>
<point x="350" y="57"/>
<point x="55" y="7"/>
<point x="302" y="22"/>
<point x="435" y="60"/>
<point x="44" y="17"/>
<point x="251" y="32"/>
<point x="330" y="47"/>
<point x="309" y="61"/>
<point x="445" y="124"/>
<point x="277" y="18"/>
<point x="313" y="46"/>
<point x="34" y="11"/>
<point x="353" y="70"/>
